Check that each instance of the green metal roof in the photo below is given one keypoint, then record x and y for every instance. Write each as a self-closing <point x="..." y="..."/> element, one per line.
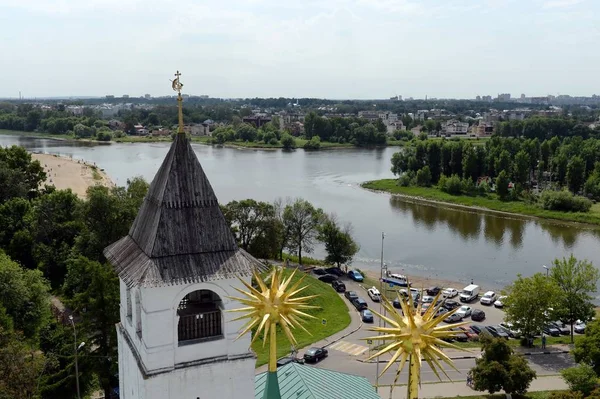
<point x="297" y="381"/>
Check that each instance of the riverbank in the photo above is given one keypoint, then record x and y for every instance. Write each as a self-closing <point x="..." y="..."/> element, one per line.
<point x="65" y="173"/>
<point x="489" y="204"/>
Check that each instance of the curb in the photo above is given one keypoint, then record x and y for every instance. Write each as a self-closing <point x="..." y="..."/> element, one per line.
<point x="345" y="335"/>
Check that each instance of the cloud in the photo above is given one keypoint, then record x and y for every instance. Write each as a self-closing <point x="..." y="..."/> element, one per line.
<point x="561" y="3"/>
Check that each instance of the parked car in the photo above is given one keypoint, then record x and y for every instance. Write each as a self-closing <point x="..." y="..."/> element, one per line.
<point x="424" y="307"/>
<point x="496" y="332"/>
<point x="464" y="311"/>
<point x="469" y="293"/>
<point x="288" y="359"/>
<point x="512" y="332"/>
<point x="450" y="304"/>
<point x="355" y="275"/>
<point x="469" y="332"/>
<point x="360" y="304"/>
<point x="319" y="271"/>
<point x="450" y="292"/>
<point x="396" y="303"/>
<point x="564" y="329"/>
<point x="427" y="299"/>
<point x="314" y="354"/>
<point x="351" y="295"/>
<point x="460" y="336"/>
<point x="328" y="278"/>
<point x="374" y="294"/>
<point x="488" y="298"/>
<point x="500" y="302"/>
<point x="440" y="312"/>
<point x="453" y="318"/>
<point x="551" y="329"/>
<point x="579" y="327"/>
<point x="433" y="291"/>
<point x="338" y="285"/>
<point x="477" y="315"/>
<point x="336" y="271"/>
<point x="478" y="329"/>
<point x="366" y="316"/>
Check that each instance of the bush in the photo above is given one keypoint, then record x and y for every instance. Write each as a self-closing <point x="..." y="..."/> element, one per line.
<point x="407" y="179"/>
<point x="564" y="201"/>
<point x="483" y="188"/>
<point x="424" y="177"/>
<point x="273" y="141"/>
<point x="288" y="141"/>
<point x="565" y="395"/>
<point x="468" y="187"/>
<point x="581" y="378"/>
<point x="451" y="185"/>
<point x="313" y="144"/>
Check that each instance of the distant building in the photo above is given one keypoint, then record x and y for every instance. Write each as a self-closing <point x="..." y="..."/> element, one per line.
<point x="257" y="120"/>
<point x="454" y="127"/>
<point x="478" y="98"/>
<point x="110" y="97"/>
<point x="369" y="115"/>
<point x="76" y="110"/>
<point x="147" y="96"/>
<point x="125" y="95"/>
<point x="504" y="97"/>
<point x="140" y="130"/>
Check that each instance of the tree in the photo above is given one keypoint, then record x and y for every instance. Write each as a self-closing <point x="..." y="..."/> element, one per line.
<point x="521" y="167"/>
<point x="424" y="177"/>
<point x="587" y="349"/>
<point x="499" y="368"/>
<point x="580" y="378"/>
<point x="503" y="162"/>
<point x="576" y="280"/>
<point x="249" y="220"/>
<point x="24" y="294"/>
<point x="288" y="142"/>
<point x="575" y="174"/>
<point x="246" y="132"/>
<point x="526" y="315"/>
<point x="339" y="244"/>
<point x="94" y="292"/>
<point x="502" y="185"/>
<point x="434" y="160"/>
<point x="302" y="220"/>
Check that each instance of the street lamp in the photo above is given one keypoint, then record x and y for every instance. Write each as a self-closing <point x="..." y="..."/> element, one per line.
<point x="76" y="347"/>
<point x="547" y="269"/>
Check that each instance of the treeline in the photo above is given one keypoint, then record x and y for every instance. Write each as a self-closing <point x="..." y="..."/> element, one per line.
<point x="545" y="128"/>
<point x="267" y="134"/>
<point x="572" y="163"/>
<point x="357" y="131"/>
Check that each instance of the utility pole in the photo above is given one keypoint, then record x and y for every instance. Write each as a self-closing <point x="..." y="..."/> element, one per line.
<point x="76" y="349"/>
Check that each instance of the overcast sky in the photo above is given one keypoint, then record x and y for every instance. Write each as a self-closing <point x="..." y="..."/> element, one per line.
<point x="300" y="48"/>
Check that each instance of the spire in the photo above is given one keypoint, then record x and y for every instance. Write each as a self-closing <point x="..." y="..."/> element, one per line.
<point x="177" y="86"/>
<point x="179" y="234"/>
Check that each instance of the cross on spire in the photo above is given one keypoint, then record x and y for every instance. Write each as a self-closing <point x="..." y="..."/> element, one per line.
<point x="177" y="85"/>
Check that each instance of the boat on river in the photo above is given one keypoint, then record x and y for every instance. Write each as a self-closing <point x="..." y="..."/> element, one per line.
<point x="397" y="280"/>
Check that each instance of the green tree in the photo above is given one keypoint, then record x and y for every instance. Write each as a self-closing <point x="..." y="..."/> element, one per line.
<point x="526" y="315"/>
<point x="575" y="174"/>
<point x="503" y="162"/>
<point x="339" y="244"/>
<point x="499" y="368"/>
<point x="559" y="164"/>
<point x="302" y="220"/>
<point x="24" y="294"/>
<point x="576" y="280"/>
<point x="250" y="220"/>
<point x="93" y="289"/>
<point x="469" y="163"/>
<point x="580" y="378"/>
<point x="587" y="349"/>
<point x="521" y="168"/>
<point x="288" y="142"/>
<point x="502" y="185"/>
<point x="434" y="160"/>
<point x="424" y="177"/>
<point x="246" y="132"/>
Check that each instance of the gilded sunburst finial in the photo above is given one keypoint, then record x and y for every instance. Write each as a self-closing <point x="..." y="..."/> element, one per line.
<point x="277" y="303"/>
<point x="415" y="337"/>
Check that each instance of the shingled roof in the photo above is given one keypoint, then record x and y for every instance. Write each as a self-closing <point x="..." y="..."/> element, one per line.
<point x="180" y="234"/>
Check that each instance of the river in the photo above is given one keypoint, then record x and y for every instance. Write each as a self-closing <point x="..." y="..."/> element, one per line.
<point x="420" y="239"/>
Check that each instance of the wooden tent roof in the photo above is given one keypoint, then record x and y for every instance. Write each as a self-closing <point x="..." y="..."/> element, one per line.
<point x="180" y="234"/>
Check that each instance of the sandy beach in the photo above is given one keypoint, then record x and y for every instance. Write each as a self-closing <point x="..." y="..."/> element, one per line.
<point x="63" y="173"/>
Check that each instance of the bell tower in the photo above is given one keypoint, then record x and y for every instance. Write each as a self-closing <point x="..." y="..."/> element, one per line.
<point x="177" y="267"/>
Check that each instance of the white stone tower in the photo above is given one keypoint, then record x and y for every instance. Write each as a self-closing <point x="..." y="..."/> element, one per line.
<point x="176" y="267"/>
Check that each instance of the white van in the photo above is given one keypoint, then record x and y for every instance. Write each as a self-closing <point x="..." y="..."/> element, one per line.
<point x="469" y="293"/>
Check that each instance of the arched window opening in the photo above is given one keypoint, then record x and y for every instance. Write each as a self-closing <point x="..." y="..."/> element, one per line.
<point x="200" y="317"/>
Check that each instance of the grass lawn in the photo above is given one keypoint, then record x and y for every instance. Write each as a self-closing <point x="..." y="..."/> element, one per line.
<point x="332" y="309"/>
<point x="490" y="202"/>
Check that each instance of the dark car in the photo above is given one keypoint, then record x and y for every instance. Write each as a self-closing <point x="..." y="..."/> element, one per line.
<point x="319" y="271"/>
<point x="288" y="359"/>
<point x="396" y="303"/>
<point x="351" y="295"/>
<point x="366" y="316"/>
<point x="338" y="286"/>
<point x="496" y="332"/>
<point x="451" y="304"/>
<point x="328" y="278"/>
<point x="433" y="291"/>
<point x="564" y="329"/>
<point x="315" y="354"/>
<point x="336" y="271"/>
<point x="477" y="315"/>
<point x="360" y="304"/>
<point x="478" y="329"/>
<point x="469" y="332"/>
<point x="551" y="329"/>
<point x="460" y="336"/>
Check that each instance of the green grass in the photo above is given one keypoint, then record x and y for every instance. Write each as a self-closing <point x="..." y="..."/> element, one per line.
<point x="331" y="308"/>
<point x="490" y="202"/>
<point x="96" y="174"/>
<point x="305" y="260"/>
